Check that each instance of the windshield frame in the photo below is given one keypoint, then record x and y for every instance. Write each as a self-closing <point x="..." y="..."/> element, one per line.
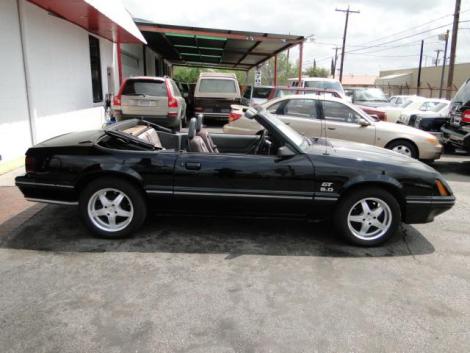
<point x="285" y="132"/>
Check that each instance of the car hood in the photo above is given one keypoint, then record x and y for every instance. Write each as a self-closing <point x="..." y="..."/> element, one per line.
<point x="366" y="153"/>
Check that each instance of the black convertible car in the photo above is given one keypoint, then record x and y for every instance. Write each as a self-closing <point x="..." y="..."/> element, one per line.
<point x="114" y="176"/>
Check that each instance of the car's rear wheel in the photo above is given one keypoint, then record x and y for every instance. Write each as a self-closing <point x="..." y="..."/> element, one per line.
<point x="368" y="216"/>
<point x="112" y="208"/>
<point x="404" y="147"/>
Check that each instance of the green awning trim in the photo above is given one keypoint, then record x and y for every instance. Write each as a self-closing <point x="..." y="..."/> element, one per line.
<point x="195" y="47"/>
<point x="203" y="55"/>
<point x="171" y="34"/>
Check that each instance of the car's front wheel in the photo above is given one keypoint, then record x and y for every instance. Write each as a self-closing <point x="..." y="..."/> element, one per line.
<point x="404" y="147"/>
<point x="112" y="208"/>
<point x="368" y="216"/>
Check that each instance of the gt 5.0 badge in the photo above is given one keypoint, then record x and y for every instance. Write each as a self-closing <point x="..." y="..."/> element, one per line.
<point x="326" y="187"/>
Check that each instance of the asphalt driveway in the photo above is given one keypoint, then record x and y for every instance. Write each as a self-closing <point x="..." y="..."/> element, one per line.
<point x="191" y="284"/>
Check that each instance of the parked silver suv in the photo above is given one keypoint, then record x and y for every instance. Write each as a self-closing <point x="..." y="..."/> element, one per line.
<point x="156" y="99"/>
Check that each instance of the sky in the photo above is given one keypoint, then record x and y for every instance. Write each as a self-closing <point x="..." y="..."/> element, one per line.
<point x="384" y="35"/>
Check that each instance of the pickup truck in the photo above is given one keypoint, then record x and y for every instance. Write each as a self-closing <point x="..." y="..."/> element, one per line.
<point x="214" y="94"/>
<point x="456" y="132"/>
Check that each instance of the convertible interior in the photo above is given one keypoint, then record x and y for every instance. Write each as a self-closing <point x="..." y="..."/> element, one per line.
<point x="140" y="135"/>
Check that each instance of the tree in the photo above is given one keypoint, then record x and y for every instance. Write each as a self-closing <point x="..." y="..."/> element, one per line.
<point x="285" y="70"/>
<point x="316" y="72"/>
<point x="191" y="74"/>
<point x="186" y="74"/>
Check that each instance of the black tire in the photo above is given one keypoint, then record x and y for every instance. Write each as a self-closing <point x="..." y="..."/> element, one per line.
<point x="449" y="148"/>
<point x="404" y="144"/>
<point x="347" y="206"/>
<point x="134" y="203"/>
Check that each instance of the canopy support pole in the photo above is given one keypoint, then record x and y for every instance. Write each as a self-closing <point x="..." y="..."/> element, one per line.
<point x="119" y="61"/>
<point x="275" y="70"/>
<point x="301" y="54"/>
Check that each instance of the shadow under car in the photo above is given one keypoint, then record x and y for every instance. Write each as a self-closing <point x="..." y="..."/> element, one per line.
<point x="59" y="229"/>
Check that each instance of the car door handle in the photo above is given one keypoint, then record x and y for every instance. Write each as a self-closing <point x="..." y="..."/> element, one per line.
<point x="331" y="128"/>
<point x="286" y="123"/>
<point x="192" y="165"/>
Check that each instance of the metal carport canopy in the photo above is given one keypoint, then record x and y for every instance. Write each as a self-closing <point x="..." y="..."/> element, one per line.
<point x="214" y="48"/>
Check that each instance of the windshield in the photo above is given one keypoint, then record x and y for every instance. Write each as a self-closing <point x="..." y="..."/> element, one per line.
<point x="438" y="107"/>
<point x="371" y="94"/>
<point x="406" y="103"/>
<point x="208" y="85"/>
<point x="145" y="88"/>
<point x="432" y="106"/>
<point x="299" y="140"/>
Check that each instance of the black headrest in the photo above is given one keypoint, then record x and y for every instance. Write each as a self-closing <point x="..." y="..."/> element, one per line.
<point x="200" y="118"/>
<point x="192" y="128"/>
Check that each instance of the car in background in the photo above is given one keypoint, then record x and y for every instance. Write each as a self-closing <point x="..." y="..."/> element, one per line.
<point x="155" y="99"/>
<point x="399" y="100"/>
<point x="430" y="107"/>
<point x="373" y="112"/>
<point x="316" y="116"/>
<point x="253" y="95"/>
<point x="412" y="103"/>
<point x="215" y="92"/>
<point x="431" y="124"/>
<point x="367" y="97"/>
<point x="280" y="91"/>
<point x="187" y="90"/>
<point x="456" y="132"/>
<point x="319" y="83"/>
<point x="120" y="171"/>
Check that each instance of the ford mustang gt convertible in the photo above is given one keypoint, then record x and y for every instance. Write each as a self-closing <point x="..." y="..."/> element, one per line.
<point x="119" y="175"/>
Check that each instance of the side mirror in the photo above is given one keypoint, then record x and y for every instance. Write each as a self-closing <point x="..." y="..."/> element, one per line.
<point x="363" y="122"/>
<point x="284" y="152"/>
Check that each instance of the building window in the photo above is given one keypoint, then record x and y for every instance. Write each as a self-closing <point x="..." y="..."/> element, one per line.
<point x="95" y="61"/>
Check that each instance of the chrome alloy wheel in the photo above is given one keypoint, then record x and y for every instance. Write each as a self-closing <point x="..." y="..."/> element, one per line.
<point x="402" y="149"/>
<point x="110" y="210"/>
<point x="369" y="218"/>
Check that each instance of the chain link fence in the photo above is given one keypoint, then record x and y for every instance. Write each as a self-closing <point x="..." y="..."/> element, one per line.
<point x="425" y="90"/>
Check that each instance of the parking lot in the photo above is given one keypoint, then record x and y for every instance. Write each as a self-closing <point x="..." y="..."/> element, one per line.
<point x="234" y="285"/>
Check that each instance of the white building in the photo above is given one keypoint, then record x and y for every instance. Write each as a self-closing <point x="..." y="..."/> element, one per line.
<point x="59" y="60"/>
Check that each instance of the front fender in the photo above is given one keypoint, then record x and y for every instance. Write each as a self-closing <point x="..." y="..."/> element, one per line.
<point x="373" y="180"/>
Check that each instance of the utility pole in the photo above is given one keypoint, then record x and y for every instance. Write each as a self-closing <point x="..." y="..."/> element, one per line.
<point x="438" y="51"/>
<point x="335" y="61"/>
<point x="287" y="66"/>
<point x="453" y="48"/>
<point x="446" y="39"/>
<point x="419" y="69"/>
<point x="348" y="11"/>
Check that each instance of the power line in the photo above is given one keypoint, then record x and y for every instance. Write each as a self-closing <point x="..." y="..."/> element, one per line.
<point x="411" y="28"/>
<point x="405" y="37"/>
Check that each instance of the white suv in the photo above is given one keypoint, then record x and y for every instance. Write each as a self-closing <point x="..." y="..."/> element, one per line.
<point x="156" y="99"/>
